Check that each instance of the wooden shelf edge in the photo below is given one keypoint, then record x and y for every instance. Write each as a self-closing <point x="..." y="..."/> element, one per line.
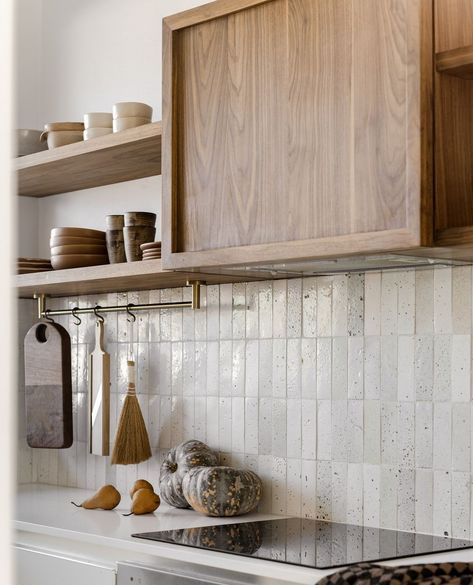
<point x="106" y="142"/>
<point x="133" y="276"/>
<point x="457" y="62"/>
<point x="117" y="157"/>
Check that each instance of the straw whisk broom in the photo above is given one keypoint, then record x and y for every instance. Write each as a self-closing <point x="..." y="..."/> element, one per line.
<point x="131" y="441"/>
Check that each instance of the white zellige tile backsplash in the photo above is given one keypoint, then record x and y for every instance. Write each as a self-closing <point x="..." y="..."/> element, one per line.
<point x="350" y="395"/>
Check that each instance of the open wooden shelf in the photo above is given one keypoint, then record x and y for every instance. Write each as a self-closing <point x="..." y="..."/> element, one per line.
<point x="145" y="275"/>
<point x="122" y="156"/>
<point x="457" y="62"/>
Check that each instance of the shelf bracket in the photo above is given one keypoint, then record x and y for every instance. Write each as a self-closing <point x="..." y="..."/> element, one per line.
<point x="194" y="304"/>
<point x="41" y="304"/>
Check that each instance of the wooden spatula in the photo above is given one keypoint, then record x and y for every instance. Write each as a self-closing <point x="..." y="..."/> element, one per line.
<point x="99" y="395"/>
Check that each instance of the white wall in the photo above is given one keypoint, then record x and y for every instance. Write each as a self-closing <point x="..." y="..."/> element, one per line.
<point x="29" y="63"/>
<point x="77" y="56"/>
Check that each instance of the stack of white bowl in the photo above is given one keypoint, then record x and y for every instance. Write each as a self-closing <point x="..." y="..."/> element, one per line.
<point x="130" y="115"/>
<point x="97" y="124"/>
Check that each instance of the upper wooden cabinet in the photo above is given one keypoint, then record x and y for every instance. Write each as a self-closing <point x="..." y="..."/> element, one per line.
<point x="304" y="129"/>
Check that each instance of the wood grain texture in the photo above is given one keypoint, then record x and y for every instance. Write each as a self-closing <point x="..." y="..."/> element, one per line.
<point x="48" y="386"/>
<point x="130" y="276"/>
<point x="456" y="62"/>
<point x="296" y="250"/>
<point x="122" y="156"/>
<point x="453" y="126"/>
<point x="453" y="24"/>
<point x="320" y="82"/>
<point x="209" y="11"/>
<point x="296" y="120"/>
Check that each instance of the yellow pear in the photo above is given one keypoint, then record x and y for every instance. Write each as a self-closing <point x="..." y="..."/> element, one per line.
<point x="107" y="498"/>
<point x="140" y="484"/>
<point x="144" y="501"/>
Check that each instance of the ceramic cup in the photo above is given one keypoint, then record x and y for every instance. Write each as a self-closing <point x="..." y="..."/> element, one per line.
<point x="128" y="109"/>
<point x="134" y="236"/>
<point x="97" y="120"/>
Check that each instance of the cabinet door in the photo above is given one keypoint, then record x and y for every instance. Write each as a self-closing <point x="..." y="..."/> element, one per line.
<point x="35" y="567"/>
<point x="453" y="129"/>
<point x="296" y="129"/>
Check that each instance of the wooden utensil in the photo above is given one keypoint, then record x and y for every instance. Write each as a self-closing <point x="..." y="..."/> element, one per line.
<point x="99" y="395"/>
<point x="48" y="386"/>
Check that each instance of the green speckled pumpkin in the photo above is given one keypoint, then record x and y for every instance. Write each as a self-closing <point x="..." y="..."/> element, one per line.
<point x="222" y="491"/>
<point x="176" y="464"/>
<point x="236" y="538"/>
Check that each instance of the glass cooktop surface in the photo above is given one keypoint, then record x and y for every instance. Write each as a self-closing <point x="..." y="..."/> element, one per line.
<point x="308" y="543"/>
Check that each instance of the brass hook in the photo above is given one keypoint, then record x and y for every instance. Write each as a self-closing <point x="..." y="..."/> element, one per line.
<point x="77" y="319"/>
<point x="98" y="317"/>
<point x="130" y="313"/>
<point x="46" y="316"/>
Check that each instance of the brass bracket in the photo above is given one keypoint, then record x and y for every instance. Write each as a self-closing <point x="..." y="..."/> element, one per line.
<point x="41" y="304"/>
<point x="195" y="284"/>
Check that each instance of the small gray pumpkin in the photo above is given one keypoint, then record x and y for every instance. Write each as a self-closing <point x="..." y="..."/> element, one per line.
<point x="222" y="491"/>
<point x="176" y="464"/>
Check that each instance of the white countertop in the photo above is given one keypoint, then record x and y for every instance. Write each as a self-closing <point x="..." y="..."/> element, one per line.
<point x="45" y="517"/>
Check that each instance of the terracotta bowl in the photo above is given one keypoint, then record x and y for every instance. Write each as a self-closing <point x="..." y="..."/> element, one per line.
<point x="151" y="246"/>
<point x="100" y="250"/>
<point x="77" y="261"/>
<point x="69" y="240"/>
<point x="77" y="232"/>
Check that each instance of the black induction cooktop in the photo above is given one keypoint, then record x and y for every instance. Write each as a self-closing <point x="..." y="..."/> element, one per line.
<point x="308" y="543"/>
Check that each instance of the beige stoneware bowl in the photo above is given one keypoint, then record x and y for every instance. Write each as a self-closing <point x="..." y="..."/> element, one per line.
<point x="120" y="124"/>
<point x="62" y="137"/>
<point x="97" y="120"/>
<point x="128" y="109"/>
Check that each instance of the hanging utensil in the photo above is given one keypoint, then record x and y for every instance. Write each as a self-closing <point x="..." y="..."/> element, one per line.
<point x="131" y="441"/>
<point x="48" y="386"/>
<point x="99" y="392"/>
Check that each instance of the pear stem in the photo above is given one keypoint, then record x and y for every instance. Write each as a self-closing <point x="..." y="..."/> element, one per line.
<point x="76" y="505"/>
<point x="127" y="514"/>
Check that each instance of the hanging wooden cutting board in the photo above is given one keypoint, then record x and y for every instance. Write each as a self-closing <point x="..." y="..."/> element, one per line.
<point x="48" y="386"/>
<point x="99" y="396"/>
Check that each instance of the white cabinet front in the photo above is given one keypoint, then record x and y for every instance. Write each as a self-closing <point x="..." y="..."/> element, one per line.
<point x="36" y="567"/>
